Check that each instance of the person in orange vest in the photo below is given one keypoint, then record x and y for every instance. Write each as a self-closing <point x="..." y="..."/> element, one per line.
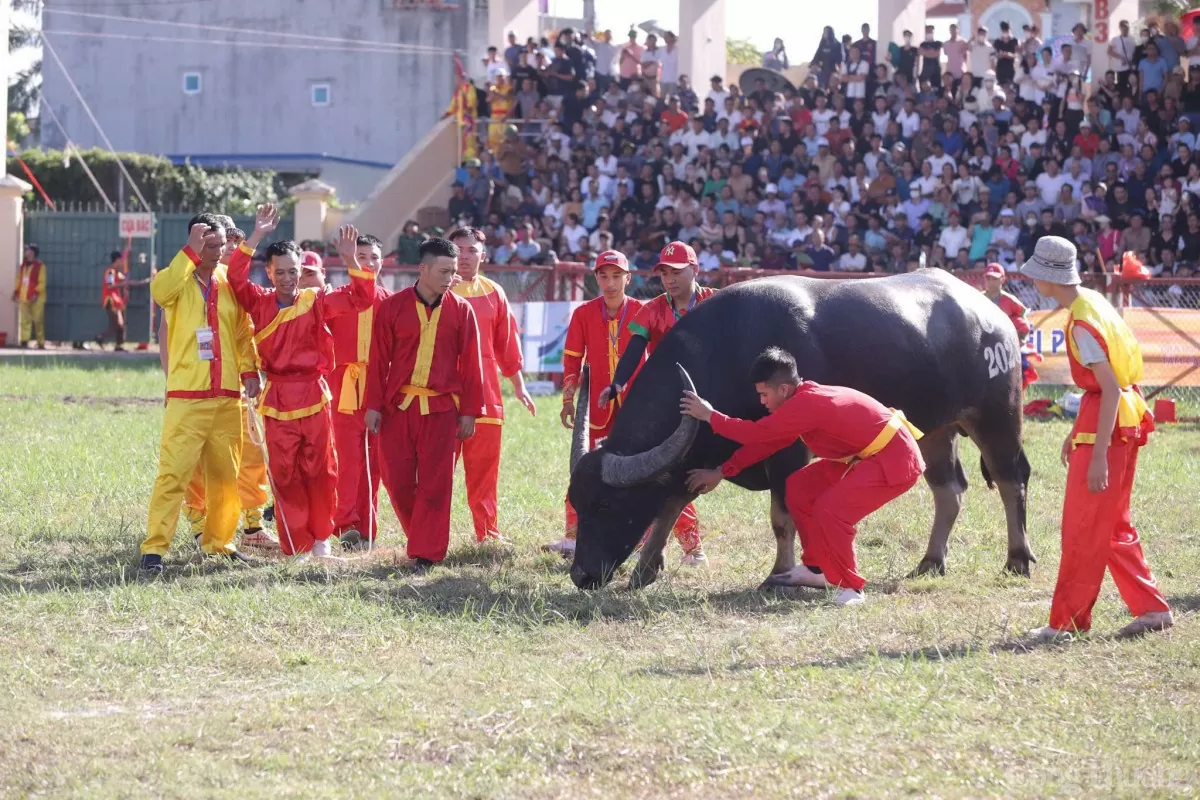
<point x="357" y="513"/>
<point x="114" y="297"/>
<point x="1100" y="454"/>
<point x="500" y="349"/>
<point x="29" y="294"/>
<point x="599" y="332"/>
<point x="993" y="288"/>
<point x="210" y="362"/>
<point x="293" y="344"/>
<point x="677" y="266"/>
<point x="424" y="392"/>
<point x="252" y="483"/>
<point x="867" y="456"/>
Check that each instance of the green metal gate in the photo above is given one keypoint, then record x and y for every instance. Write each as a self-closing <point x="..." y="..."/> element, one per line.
<point x="75" y="247"/>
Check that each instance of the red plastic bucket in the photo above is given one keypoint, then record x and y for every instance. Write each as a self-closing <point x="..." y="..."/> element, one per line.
<point x="1164" y="410"/>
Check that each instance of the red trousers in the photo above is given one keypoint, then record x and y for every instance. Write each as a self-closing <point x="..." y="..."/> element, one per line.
<point x="303" y="467"/>
<point x="1097" y="532"/>
<point x="358" y="455"/>
<point x="827" y="499"/>
<point x="687" y="527"/>
<point x="481" y="463"/>
<point x="417" y="457"/>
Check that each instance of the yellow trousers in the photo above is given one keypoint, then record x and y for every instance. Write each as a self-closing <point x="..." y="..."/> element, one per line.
<point x="33" y="315"/>
<point x="251" y="480"/>
<point x="206" y="432"/>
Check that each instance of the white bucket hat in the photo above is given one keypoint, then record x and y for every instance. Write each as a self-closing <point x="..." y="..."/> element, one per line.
<point x="1054" y="261"/>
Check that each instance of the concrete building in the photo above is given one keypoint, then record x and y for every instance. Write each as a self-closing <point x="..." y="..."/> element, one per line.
<point x="344" y="89"/>
<point x="340" y="88"/>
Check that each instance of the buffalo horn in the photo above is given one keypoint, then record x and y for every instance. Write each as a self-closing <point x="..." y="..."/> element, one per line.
<point x="579" y="434"/>
<point x="622" y="471"/>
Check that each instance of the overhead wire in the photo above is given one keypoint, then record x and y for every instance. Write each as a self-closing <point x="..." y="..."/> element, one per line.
<point x="233" y="42"/>
<point x="398" y="47"/>
<point x="99" y="128"/>
<point x="71" y="149"/>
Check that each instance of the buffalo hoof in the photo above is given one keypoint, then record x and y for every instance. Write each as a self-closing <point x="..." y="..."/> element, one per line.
<point x="1019" y="565"/>
<point x="929" y="566"/>
<point x="645" y="574"/>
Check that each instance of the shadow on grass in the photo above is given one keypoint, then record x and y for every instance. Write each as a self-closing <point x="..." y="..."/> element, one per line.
<point x="475" y="584"/>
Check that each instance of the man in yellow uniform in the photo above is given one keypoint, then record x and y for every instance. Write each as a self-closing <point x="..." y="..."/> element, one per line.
<point x="209" y="359"/>
<point x="30" y="296"/>
<point x="252" y="473"/>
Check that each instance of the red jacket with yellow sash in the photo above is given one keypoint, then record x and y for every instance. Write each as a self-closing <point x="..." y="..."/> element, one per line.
<point x="601" y="340"/>
<point x="425" y="357"/>
<point x="110" y="293"/>
<point x="658" y="316"/>
<point x="835" y="422"/>
<point x="293" y="341"/>
<point x="351" y="331"/>
<point x="499" y="340"/>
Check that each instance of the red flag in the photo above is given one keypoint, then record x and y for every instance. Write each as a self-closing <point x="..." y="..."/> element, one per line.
<point x="1132" y="269"/>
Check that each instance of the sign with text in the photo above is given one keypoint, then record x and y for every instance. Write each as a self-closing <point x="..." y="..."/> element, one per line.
<point x="543" y="333"/>
<point x="1170" y="340"/>
<point x="138" y="225"/>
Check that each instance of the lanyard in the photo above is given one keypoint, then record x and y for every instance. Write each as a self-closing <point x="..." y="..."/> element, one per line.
<point x="204" y="290"/>
<point x="612" y="339"/>
<point x="675" y="311"/>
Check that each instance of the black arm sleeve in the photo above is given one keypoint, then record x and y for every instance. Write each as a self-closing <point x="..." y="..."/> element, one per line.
<point x="630" y="360"/>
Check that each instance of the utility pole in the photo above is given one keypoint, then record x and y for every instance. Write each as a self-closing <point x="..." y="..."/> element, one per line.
<point x="12" y="211"/>
<point x="589" y="16"/>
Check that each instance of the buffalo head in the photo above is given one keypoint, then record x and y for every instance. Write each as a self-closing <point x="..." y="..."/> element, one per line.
<point x="617" y="496"/>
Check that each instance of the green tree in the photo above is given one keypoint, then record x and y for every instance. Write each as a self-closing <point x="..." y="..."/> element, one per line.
<point x="742" y="52"/>
<point x="1170" y="8"/>
<point x="25" y="86"/>
<point x="18" y="128"/>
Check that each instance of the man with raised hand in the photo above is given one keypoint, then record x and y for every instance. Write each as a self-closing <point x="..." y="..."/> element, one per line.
<point x="209" y="359"/>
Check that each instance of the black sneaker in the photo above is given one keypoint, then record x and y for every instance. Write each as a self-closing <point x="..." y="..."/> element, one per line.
<point x="350" y="539"/>
<point x="269" y="513"/>
<point x="152" y="564"/>
<point x="422" y="565"/>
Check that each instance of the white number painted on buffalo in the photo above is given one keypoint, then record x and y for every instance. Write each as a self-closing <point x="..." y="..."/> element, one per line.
<point x="1001" y="357"/>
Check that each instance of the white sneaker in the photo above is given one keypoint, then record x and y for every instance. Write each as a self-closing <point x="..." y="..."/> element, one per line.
<point x="564" y="547"/>
<point x="1048" y="635"/>
<point x="1147" y="623"/>
<point x="320" y="549"/>
<point x="261" y="538"/>
<point x="693" y="560"/>
<point x="849" y="597"/>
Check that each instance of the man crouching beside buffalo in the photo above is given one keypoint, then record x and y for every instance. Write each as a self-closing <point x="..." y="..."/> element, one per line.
<point x="867" y="456"/>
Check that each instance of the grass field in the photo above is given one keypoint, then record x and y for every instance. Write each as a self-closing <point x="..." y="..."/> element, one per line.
<point x="492" y="676"/>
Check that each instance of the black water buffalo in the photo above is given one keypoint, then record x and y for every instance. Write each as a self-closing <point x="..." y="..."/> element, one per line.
<point x="925" y="343"/>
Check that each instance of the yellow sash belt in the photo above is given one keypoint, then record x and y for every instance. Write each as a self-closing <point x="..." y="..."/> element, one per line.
<point x="894" y="424"/>
<point x="422" y="394"/>
<point x="354" y="387"/>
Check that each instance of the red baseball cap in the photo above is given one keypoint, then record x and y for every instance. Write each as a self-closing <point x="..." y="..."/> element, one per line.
<point x="611" y="258"/>
<point x="310" y="261"/>
<point x="994" y="270"/>
<point x="677" y="255"/>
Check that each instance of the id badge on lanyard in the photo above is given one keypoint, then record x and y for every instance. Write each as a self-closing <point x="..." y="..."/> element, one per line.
<point x="204" y="344"/>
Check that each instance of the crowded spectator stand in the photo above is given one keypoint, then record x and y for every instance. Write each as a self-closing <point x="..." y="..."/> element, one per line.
<point x="949" y="154"/>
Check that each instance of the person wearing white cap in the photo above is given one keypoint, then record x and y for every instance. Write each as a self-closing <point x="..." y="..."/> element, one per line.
<point x="1100" y="454"/>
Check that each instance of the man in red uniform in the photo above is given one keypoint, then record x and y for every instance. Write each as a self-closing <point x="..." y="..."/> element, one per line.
<point x="993" y="288"/>
<point x="114" y="298"/>
<point x="867" y="456"/>
<point x="424" y="392"/>
<point x="1100" y="454"/>
<point x="292" y="344"/>
<point x="500" y="350"/>
<point x="358" y="454"/>
<point x="599" y="333"/>
<point x="677" y="266"/>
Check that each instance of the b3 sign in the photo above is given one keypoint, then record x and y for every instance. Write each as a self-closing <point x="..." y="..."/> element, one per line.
<point x="136" y="225"/>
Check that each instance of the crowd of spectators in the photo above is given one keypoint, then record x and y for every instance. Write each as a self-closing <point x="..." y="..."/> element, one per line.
<point x="950" y="154"/>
